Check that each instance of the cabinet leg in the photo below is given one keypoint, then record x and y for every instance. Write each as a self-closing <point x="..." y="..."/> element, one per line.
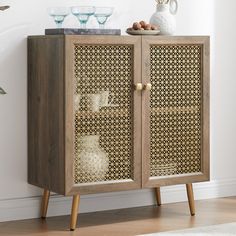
<point x="189" y="188"/>
<point x="158" y="195"/>
<point x="44" y="203"/>
<point x="74" y="212"/>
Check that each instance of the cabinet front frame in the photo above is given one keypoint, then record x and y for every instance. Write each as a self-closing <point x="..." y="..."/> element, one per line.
<point x="70" y="187"/>
<point x="148" y="181"/>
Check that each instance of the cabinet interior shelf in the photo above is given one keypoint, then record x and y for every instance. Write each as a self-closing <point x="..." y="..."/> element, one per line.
<point x="125" y="111"/>
<point x="176" y="109"/>
<point x="105" y="113"/>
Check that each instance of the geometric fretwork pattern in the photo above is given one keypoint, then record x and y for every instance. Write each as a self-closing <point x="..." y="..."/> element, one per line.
<point x="175" y="129"/>
<point x="104" y="69"/>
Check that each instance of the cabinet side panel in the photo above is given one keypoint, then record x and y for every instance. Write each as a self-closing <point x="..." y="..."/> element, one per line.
<point x="46" y="113"/>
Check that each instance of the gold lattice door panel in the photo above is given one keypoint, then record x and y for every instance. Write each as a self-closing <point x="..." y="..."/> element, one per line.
<point x="175" y="122"/>
<point x="103" y="101"/>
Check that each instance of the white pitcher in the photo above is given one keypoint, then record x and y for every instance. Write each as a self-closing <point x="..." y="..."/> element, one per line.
<point x="164" y="16"/>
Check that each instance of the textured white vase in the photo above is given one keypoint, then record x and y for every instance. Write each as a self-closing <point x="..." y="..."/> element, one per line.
<point x="94" y="161"/>
<point x="164" y="17"/>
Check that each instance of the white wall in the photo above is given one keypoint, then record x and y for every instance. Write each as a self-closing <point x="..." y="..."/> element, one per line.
<point x="195" y="17"/>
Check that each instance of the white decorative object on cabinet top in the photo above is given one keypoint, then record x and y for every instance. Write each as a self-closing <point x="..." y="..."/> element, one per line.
<point x="164" y="16"/>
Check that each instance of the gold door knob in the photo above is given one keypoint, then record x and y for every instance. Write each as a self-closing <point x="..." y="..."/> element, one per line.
<point x="147" y="87"/>
<point x="138" y="86"/>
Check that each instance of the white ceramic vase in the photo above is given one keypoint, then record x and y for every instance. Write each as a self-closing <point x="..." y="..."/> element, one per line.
<point x="164" y="17"/>
<point x="94" y="161"/>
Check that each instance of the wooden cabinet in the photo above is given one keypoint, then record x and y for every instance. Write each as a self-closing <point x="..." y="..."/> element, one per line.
<point x="112" y="113"/>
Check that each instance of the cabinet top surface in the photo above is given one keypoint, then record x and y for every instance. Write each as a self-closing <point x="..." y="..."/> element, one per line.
<point x="161" y="37"/>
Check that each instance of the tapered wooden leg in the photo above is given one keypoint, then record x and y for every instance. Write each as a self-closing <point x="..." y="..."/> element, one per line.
<point x="44" y="203"/>
<point x="189" y="188"/>
<point x="74" y="212"/>
<point x="158" y="195"/>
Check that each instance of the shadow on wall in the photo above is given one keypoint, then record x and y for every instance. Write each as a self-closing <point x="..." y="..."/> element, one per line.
<point x="195" y="17"/>
<point x="13" y="56"/>
<point x="223" y="90"/>
<point x="13" y="67"/>
<point x="3" y="8"/>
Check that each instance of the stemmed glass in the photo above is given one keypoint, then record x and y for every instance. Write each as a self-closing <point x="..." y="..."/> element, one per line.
<point x="83" y="13"/>
<point x="102" y="14"/>
<point x="58" y="14"/>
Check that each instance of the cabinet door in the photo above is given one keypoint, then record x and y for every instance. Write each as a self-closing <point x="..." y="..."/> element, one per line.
<point x="175" y="110"/>
<point x="103" y="114"/>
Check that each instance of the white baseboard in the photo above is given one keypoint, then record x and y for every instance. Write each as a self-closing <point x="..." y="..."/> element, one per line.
<point x="26" y="208"/>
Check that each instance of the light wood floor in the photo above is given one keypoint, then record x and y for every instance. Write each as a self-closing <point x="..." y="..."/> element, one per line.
<point x="127" y="222"/>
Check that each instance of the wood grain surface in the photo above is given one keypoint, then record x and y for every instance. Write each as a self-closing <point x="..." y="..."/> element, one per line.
<point x="46" y="137"/>
<point x="129" y="222"/>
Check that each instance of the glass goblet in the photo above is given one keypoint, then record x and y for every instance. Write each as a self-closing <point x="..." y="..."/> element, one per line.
<point x="102" y="14"/>
<point x="83" y="13"/>
<point x="58" y="14"/>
